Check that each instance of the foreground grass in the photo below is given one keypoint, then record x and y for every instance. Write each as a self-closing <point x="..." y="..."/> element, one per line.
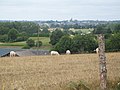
<point x="55" y="72"/>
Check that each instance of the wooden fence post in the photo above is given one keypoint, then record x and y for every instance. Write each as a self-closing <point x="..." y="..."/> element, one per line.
<point x="102" y="62"/>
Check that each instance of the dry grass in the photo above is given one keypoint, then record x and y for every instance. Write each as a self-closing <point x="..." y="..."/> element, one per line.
<point x="54" y="72"/>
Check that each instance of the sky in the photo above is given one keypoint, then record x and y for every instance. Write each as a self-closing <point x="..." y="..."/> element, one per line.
<point x="59" y="9"/>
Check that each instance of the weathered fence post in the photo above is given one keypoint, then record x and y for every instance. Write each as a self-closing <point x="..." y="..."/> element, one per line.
<point x="102" y="60"/>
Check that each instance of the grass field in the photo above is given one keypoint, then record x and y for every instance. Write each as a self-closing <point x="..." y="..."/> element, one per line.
<point x="45" y="41"/>
<point x="55" y="72"/>
<point x="13" y="44"/>
<point x="85" y="31"/>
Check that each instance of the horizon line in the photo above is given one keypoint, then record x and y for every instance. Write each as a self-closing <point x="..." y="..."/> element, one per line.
<point x="58" y="20"/>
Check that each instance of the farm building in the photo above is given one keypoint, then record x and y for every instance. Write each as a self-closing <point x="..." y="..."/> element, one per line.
<point x="20" y="53"/>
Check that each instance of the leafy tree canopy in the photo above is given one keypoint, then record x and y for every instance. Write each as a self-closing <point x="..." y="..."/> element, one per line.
<point x="64" y="44"/>
<point x="55" y="36"/>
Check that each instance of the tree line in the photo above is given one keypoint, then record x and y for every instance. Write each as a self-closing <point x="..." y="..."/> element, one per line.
<point x="61" y="40"/>
<point x="112" y="35"/>
<point x="20" y="31"/>
<point x="16" y="31"/>
<point x="78" y="43"/>
<point x="75" y="43"/>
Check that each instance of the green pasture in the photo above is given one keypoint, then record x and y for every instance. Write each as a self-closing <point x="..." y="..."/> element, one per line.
<point x="45" y="43"/>
<point x="85" y="31"/>
<point x="13" y="44"/>
<point x="45" y="40"/>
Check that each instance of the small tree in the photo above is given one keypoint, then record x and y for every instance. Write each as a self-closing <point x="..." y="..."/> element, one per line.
<point x="64" y="44"/>
<point x="38" y="43"/>
<point x="55" y="36"/>
<point x="30" y="42"/>
<point x="82" y="43"/>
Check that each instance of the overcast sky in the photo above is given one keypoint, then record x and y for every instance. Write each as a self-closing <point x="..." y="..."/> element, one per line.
<point x="59" y="9"/>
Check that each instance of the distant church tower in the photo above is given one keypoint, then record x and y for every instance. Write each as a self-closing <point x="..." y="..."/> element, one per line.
<point x="71" y="20"/>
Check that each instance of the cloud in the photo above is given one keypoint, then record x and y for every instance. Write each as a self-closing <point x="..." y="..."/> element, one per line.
<point x="56" y="9"/>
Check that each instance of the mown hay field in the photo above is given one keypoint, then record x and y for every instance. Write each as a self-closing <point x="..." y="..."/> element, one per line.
<point x="55" y="72"/>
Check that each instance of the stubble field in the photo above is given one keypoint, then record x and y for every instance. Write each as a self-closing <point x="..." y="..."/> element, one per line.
<point x="55" y="72"/>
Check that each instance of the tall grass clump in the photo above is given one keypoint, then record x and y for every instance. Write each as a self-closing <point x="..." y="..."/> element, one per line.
<point x="113" y="85"/>
<point x="81" y="85"/>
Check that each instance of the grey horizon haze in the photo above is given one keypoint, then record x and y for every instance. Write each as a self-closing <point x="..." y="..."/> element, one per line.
<point x="59" y="9"/>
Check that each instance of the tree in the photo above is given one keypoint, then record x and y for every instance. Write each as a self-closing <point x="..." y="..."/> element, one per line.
<point x="22" y="36"/>
<point x="3" y="30"/>
<point x="4" y="38"/>
<point x="116" y="28"/>
<point x="102" y="29"/>
<point x="78" y="44"/>
<point x="113" y="43"/>
<point x="44" y="32"/>
<point x="29" y="27"/>
<point x="12" y="35"/>
<point x="64" y="44"/>
<point x="55" y="36"/>
<point x="30" y="42"/>
<point x="84" y="43"/>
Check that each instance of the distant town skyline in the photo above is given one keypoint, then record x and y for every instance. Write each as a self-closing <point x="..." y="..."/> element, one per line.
<point x="60" y="9"/>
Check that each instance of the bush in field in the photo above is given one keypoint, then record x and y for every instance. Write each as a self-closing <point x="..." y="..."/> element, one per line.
<point x="118" y="86"/>
<point x="30" y="42"/>
<point x="38" y="43"/>
<point x="78" y="86"/>
<point x="113" y="85"/>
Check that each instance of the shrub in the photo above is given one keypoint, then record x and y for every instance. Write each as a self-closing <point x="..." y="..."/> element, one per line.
<point x="30" y="42"/>
<point x="38" y="43"/>
<point x="78" y="86"/>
